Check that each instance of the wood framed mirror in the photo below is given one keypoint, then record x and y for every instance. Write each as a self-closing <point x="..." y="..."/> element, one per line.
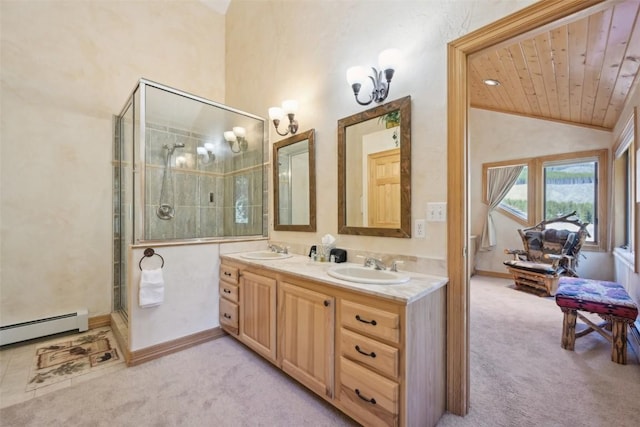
<point x="294" y="183"/>
<point x="374" y="171"/>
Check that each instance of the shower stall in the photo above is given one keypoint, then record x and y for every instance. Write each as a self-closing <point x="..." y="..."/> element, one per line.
<point x="185" y="169"/>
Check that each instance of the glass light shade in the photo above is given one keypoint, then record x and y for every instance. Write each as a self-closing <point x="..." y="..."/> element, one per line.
<point x="389" y="59"/>
<point x="209" y="146"/>
<point x="275" y="113"/>
<point x="240" y="132"/>
<point x="356" y="75"/>
<point x="290" y="106"/>
<point x="229" y="136"/>
<point x="201" y="151"/>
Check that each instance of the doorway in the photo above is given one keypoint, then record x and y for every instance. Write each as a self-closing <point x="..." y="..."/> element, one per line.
<point x="534" y="16"/>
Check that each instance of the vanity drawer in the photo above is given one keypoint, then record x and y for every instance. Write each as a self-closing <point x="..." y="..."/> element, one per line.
<point x="373" y="321"/>
<point x="372" y="353"/>
<point x="229" y="274"/>
<point x="229" y="316"/>
<point x="372" y="397"/>
<point x="229" y="291"/>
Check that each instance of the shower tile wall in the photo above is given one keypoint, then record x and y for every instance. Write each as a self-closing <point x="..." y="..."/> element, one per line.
<point x="204" y="190"/>
<point x="191" y="179"/>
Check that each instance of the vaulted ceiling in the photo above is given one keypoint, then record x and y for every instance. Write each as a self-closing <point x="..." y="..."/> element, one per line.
<point x="578" y="70"/>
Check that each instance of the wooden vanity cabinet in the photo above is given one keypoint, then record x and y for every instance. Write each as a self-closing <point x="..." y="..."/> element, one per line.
<point x="380" y="361"/>
<point x="258" y="313"/>
<point x="306" y="336"/>
<point x="228" y="307"/>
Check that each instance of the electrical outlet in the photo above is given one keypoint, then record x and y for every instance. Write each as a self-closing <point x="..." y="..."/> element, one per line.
<point x="420" y="232"/>
<point x="437" y="212"/>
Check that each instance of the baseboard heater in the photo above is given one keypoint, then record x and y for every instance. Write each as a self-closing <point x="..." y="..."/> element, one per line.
<point x="43" y="327"/>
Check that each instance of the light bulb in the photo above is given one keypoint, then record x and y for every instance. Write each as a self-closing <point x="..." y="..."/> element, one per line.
<point x="240" y="132"/>
<point x="229" y="136"/>
<point x="389" y="59"/>
<point x="356" y="75"/>
<point x="290" y="106"/>
<point x="209" y="146"/>
<point x="275" y="113"/>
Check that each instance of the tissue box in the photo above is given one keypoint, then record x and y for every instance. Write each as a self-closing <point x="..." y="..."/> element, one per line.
<point x="339" y="254"/>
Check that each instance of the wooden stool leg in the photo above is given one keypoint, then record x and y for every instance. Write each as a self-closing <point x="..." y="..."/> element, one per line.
<point x="619" y="342"/>
<point x="569" y="330"/>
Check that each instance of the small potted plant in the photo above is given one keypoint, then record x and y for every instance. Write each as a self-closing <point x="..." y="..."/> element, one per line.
<point x="391" y="119"/>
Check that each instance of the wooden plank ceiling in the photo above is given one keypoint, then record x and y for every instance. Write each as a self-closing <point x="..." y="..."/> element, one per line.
<point x="579" y="70"/>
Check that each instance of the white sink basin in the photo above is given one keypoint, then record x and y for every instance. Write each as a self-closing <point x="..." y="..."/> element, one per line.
<point x="367" y="275"/>
<point x="265" y="255"/>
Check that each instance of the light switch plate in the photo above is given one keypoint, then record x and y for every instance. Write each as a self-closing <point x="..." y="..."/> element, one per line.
<point x="437" y="212"/>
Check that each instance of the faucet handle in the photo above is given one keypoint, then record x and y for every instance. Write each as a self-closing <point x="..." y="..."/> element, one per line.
<point x="394" y="265"/>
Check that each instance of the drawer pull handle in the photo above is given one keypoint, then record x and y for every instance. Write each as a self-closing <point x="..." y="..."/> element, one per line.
<point x="360" y="319"/>
<point x="226" y="273"/>
<point x="226" y="316"/>
<point x="226" y="291"/>
<point x="372" y="354"/>
<point x="372" y="400"/>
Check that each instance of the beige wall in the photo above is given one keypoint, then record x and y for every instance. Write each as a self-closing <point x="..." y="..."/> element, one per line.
<point x="67" y="67"/>
<point x="284" y="49"/>
<point x="495" y="137"/>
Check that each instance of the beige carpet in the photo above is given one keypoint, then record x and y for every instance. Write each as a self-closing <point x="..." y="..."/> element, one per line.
<point x="519" y="377"/>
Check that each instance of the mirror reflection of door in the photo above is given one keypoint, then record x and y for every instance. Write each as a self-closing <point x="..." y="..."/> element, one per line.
<point x="384" y="189"/>
<point x="381" y="173"/>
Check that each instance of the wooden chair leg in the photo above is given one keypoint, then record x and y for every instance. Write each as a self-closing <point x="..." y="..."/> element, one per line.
<point x="619" y="342"/>
<point x="569" y="330"/>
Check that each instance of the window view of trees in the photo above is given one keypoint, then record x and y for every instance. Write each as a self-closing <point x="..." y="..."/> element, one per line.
<point x="556" y="185"/>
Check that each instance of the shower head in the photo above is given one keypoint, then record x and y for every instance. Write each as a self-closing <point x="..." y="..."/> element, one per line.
<point x="172" y="148"/>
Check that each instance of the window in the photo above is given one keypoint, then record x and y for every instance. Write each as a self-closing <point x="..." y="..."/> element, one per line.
<point x="516" y="200"/>
<point x="571" y="186"/>
<point x="556" y="185"/>
<point x="624" y="185"/>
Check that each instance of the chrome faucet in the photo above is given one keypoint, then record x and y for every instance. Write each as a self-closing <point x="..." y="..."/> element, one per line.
<point x="278" y="249"/>
<point x="375" y="262"/>
<point x="394" y="265"/>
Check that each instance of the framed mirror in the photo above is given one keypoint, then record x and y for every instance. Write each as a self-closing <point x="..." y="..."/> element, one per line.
<point x="374" y="171"/>
<point x="294" y="183"/>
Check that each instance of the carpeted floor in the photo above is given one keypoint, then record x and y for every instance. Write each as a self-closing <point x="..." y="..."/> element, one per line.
<point x="519" y="377"/>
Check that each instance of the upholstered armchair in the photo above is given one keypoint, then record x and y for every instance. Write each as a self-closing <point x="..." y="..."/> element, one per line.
<point x="549" y="251"/>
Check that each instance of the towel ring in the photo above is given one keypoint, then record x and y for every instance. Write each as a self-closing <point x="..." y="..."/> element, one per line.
<point x="149" y="252"/>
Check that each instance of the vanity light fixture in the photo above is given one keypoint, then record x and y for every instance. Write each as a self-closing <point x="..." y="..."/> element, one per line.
<point x="206" y="152"/>
<point x="356" y="76"/>
<point x="237" y="137"/>
<point x="290" y="108"/>
<point x="491" y="82"/>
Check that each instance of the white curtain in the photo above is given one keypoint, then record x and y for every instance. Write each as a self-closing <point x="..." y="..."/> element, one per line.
<point x="499" y="182"/>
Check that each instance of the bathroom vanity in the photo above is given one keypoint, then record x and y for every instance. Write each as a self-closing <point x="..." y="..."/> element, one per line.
<point x="376" y="352"/>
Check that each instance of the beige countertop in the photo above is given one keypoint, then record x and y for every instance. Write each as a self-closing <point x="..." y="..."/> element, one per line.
<point x="302" y="266"/>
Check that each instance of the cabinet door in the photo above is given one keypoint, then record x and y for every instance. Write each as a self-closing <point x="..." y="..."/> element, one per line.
<point x="306" y="325"/>
<point x="258" y="314"/>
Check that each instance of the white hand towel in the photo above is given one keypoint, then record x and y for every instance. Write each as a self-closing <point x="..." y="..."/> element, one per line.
<point x="151" y="288"/>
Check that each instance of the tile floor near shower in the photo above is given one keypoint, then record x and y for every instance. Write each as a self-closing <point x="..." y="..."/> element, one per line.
<point x="42" y="366"/>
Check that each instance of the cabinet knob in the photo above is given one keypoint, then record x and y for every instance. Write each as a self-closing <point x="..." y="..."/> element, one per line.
<point x="327" y="303"/>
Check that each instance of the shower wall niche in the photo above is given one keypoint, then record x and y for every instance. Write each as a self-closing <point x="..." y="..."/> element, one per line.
<point x="186" y="169"/>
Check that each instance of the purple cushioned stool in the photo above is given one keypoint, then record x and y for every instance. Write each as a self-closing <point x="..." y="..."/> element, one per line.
<point x="609" y="300"/>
